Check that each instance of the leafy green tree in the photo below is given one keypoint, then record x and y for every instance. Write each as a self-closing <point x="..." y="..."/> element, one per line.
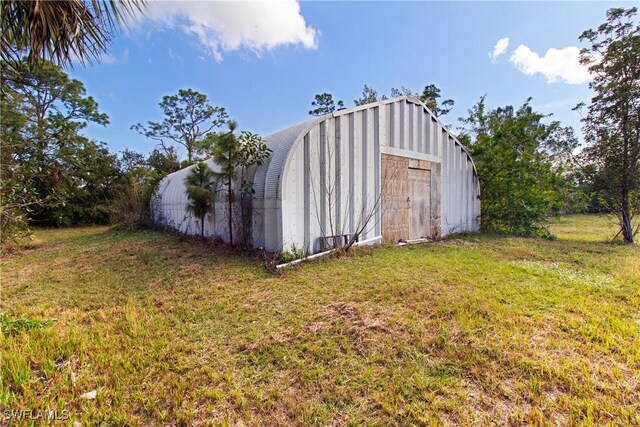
<point x="612" y="123"/>
<point x="403" y="91"/>
<point x="225" y="149"/>
<point x="200" y="192"/>
<point x="324" y="104"/>
<point x="130" y="207"/>
<point x="130" y="160"/>
<point x="47" y="155"/>
<point x="235" y="156"/>
<point x="164" y="161"/>
<point x="90" y="181"/>
<point x="17" y="197"/>
<point x="584" y="195"/>
<point x="368" y="96"/>
<point x="56" y="107"/>
<point x="189" y="118"/>
<point x="61" y="30"/>
<point x="430" y="95"/>
<point x="514" y="153"/>
<point x="253" y="152"/>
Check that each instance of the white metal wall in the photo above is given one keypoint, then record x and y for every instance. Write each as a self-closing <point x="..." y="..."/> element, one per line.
<point x="170" y="207"/>
<point x="331" y="180"/>
<point x="324" y="177"/>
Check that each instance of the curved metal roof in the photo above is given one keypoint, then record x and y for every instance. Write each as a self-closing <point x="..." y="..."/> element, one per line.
<point x="280" y="144"/>
<point x="268" y="177"/>
<point x="267" y="184"/>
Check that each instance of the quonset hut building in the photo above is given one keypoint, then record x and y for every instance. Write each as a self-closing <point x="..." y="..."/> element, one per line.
<point x="388" y="171"/>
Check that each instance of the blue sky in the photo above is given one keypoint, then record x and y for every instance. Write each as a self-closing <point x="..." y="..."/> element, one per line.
<point x="264" y="62"/>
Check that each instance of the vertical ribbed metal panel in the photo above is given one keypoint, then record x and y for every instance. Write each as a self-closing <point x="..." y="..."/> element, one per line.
<point x="307" y="194"/>
<point x="369" y="169"/>
<point x="345" y="195"/>
<point x="421" y="132"/>
<point x="391" y="125"/>
<point x="467" y="196"/>
<point x="351" y="172"/>
<point x="445" y="192"/>
<point x="429" y="134"/>
<point x="411" y="124"/>
<point x="338" y="173"/>
<point x="451" y="176"/>
<point x="363" y="206"/>
<point x="376" y="160"/>
<point x="460" y="178"/>
<point x="316" y="226"/>
<point x="357" y="170"/>
<point x="323" y="191"/>
<point x="402" y="125"/>
<point x="448" y="188"/>
<point x="325" y="174"/>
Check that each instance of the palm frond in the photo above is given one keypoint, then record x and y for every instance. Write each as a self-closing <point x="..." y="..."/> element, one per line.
<point x="62" y="31"/>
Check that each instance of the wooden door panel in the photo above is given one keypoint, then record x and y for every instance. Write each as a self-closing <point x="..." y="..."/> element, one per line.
<point x="395" y="192"/>
<point x="420" y="203"/>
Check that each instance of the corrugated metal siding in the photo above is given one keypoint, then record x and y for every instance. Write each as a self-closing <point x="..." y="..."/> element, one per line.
<point x="266" y="182"/>
<point x="343" y="176"/>
<point x="324" y="176"/>
<point x="170" y="206"/>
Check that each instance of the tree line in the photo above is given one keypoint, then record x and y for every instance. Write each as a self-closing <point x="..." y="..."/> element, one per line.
<point x="529" y="167"/>
<point x="53" y="175"/>
<point x="324" y="103"/>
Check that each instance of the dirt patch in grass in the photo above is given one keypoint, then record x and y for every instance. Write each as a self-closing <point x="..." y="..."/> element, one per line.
<point x="358" y="323"/>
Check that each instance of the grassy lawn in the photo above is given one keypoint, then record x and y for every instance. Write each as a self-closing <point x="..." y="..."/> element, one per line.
<point x="480" y="329"/>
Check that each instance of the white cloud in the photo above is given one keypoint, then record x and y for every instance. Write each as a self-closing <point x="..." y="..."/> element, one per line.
<point x="228" y="26"/>
<point x="108" y="59"/>
<point x="500" y="48"/>
<point x="556" y="64"/>
<point x="174" y="55"/>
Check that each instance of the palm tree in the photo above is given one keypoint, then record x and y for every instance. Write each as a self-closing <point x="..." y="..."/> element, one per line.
<point x="62" y="30"/>
<point x="200" y="192"/>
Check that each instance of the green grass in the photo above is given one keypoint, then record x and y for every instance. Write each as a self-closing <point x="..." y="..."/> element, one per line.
<point x="474" y="330"/>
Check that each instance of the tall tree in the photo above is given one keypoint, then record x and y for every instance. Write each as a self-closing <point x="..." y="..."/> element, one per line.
<point x="17" y="198"/>
<point x="130" y="160"/>
<point x="430" y="95"/>
<point x="200" y="192"/>
<point x="164" y="161"/>
<point x="55" y="106"/>
<point x="324" y="104"/>
<point x="61" y="31"/>
<point x="90" y="181"/>
<point x="189" y="117"/>
<point x="368" y="96"/>
<point x="514" y="152"/>
<point x="51" y="110"/>
<point x="130" y="208"/>
<point x="612" y="123"/>
<point x="235" y="155"/>
<point x="225" y="149"/>
<point x="403" y="91"/>
<point x="253" y="152"/>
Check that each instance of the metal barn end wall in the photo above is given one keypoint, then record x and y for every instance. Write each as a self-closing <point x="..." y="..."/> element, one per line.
<point x="324" y="177"/>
